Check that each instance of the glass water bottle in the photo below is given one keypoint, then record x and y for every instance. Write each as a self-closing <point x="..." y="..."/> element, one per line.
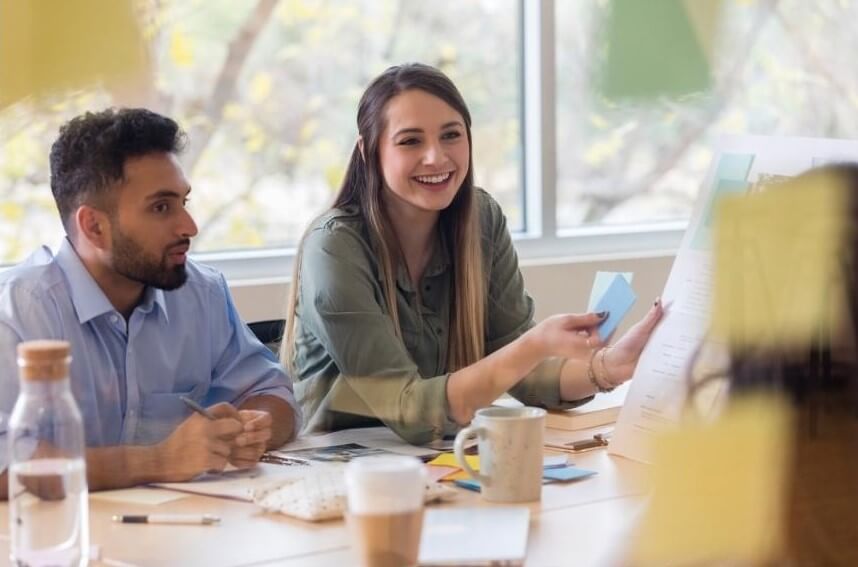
<point x="48" y="506"/>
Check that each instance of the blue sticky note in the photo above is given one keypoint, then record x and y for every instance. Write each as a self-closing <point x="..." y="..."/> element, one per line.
<point x="468" y="483"/>
<point x="735" y="167"/>
<point x="600" y="286"/>
<point x="618" y="299"/>
<point x="567" y="474"/>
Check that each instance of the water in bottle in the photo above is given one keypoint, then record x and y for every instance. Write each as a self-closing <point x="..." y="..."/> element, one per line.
<point x="49" y="519"/>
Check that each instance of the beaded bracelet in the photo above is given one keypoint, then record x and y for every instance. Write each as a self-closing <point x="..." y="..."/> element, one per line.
<point x="592" y="375"/>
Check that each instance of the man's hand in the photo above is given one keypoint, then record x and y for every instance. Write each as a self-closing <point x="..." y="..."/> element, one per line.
<point x="200" y="444"/>
<point x="252" y="441"/>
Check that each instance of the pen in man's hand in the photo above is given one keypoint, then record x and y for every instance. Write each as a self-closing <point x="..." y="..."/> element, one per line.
<point x="192" y="519"/>
<point x="197" y="407"/>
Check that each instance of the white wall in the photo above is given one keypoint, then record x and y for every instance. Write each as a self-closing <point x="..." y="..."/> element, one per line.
<point x="557" y="286"/>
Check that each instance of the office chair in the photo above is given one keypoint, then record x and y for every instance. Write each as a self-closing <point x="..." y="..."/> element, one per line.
<point x="269" y="333"/>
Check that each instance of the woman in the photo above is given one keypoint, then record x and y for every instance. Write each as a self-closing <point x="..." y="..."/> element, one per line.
<point x="407" y="304"/>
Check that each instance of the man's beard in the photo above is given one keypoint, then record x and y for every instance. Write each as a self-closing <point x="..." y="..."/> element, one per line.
<point x="131" y="261"/>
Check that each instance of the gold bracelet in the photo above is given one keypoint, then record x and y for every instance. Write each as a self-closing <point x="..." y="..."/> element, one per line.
<point x="592" y="375"/>
<point x="605" y="369"/>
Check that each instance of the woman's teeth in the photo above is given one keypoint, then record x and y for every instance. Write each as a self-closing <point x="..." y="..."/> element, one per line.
<point x="433" y="178"/>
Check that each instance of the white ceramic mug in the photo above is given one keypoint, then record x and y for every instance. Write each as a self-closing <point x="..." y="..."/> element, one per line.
<point x="510" y="444"/>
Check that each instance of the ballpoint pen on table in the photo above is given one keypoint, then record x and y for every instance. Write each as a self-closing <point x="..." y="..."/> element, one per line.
<point x="283" y="460"/>
<point x="190" y="519"/>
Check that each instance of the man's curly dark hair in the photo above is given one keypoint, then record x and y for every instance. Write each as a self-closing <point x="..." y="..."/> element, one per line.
<point x="88" y="157"/>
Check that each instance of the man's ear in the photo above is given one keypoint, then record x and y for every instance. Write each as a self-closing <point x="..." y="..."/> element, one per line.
<point x="360" y="148"/>
<point x="93" y="226"/>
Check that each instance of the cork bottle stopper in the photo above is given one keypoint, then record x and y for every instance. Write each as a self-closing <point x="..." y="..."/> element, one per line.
<point x="44" y="359"/>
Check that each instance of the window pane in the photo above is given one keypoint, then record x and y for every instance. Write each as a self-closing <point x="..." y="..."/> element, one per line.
<point x="270" y="111"/>
<point x="784" y="71"/>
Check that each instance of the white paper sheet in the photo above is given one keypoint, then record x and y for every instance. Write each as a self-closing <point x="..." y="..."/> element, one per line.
<point x="144" y="495"/>
<point x="239" y="484"/>
<point x="236" y="484"/>
<point x="375" y="437"/>
<point x="658" y="389"/>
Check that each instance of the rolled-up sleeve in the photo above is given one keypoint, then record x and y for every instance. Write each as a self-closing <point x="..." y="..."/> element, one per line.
<point x="23" y="316"/>
<point x="342" y="306"/>
<point x="245" y="367"/>
<point x="510" y="313"/>
<point x="8" y="387"/>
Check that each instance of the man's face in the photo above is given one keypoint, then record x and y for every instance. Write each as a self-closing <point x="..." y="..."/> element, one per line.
<point x="150" y="227"/>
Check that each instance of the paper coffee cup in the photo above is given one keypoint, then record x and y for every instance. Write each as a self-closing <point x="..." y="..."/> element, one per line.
<point x="385" y="503"/>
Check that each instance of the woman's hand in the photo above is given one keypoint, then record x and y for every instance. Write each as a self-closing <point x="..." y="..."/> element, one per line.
<point x="569" y="335"/>
<point x="621" y="359"/>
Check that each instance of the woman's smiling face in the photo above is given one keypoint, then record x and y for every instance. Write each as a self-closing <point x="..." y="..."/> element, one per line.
<point x="424" y="151"/>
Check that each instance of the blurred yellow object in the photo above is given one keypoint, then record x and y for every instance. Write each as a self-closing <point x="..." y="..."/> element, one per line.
<point x="48" y="46"/>
<point x="719" y="489"/>
<point x="778" y="263"/>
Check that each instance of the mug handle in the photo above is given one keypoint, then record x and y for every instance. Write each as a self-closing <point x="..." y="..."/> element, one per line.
<point x="459" y="450"/>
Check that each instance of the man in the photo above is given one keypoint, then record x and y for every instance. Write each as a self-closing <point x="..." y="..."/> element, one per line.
<point x="146" y="324"/>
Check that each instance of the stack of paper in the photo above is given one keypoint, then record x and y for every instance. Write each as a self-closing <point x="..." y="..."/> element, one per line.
<point x="603" y="410"/>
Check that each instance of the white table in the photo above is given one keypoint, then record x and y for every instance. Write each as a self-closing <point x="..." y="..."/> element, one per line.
<point x="583" y="523"/>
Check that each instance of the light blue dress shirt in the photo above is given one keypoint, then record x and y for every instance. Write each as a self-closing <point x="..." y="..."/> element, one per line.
<point x="127" y="377"/>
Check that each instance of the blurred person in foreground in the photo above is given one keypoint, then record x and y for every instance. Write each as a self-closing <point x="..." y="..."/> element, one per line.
<point x="821" y="384"/>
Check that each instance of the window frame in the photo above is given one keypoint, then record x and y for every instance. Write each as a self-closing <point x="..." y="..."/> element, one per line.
<point x="541" y="238"/>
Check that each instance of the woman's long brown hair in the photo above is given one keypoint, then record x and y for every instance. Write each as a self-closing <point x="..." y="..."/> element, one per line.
<point x="459" y="223"/>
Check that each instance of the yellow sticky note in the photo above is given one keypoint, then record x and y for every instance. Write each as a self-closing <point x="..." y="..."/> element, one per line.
<point x="48" y="46"/>
<point x="458" y="475"/>
<point x="719" y="489"/>
<point x="449" y="460"/>
<point x="778" y="261"/>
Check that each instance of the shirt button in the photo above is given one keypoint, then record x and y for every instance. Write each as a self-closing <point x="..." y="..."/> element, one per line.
<point x="114" y="319"/>
<point x="440" y="331"/>
<point x="427" y="288"/>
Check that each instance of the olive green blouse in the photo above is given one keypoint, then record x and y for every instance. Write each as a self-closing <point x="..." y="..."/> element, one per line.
<point x="351" y="370"/>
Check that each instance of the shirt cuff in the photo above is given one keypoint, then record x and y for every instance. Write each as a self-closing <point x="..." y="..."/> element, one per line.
<point x="288" y="397"/>
<point x="429" y="396"/>
<point x="541" y="387"/>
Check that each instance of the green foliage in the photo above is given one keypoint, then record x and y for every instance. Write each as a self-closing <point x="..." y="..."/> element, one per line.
<point x="777" y="68"/>
<point x="278" y="121"/>
<point x="269" y="98"/>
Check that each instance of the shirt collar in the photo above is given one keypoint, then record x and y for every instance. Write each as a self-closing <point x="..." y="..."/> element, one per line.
<point x="440" y="260"/>
<point x="87" y="297"/>
<point x="438" y="264"/>
<point x="153" y="296"/>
